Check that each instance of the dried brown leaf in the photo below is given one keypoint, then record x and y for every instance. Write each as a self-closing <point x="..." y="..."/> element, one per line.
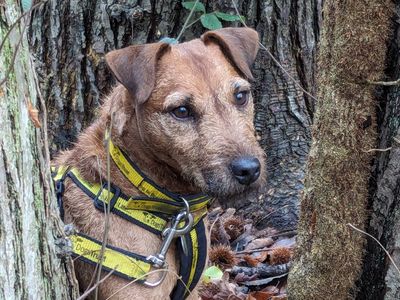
<point x="242" y="277"/>
<point x="261" y="295"/>
<point x="260" y="243"/>
<point x="33" y="114"/>
<point x="251" y="261"/>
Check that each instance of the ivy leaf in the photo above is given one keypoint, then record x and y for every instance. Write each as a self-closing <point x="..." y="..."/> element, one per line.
<point x="228" y="17"/>
<point x="212" y="273"/>
<point x="210" y="21"/>
<point x="189" y="5"/>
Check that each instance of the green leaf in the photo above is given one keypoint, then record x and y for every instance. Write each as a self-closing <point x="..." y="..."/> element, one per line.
<point x="228" y="17"/>
<point x="212" y="273"/>
<point x="191" y="4"/>
<point x="210" y="21"/>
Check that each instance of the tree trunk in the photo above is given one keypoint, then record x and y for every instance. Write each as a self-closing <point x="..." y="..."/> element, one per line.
<point x="29" y="267"/>
<point x="380" y="279"/>
<point x="69" y="40"/>
<point x="329" y="254"/>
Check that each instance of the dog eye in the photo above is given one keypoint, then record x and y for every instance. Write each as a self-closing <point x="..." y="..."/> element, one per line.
<point x="182" y="112"/>
<point x="241" y="97"/>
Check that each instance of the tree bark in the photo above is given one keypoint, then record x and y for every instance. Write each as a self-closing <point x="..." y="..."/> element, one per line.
<point x="29" y="267"/>
<point x="380" y="279"/>
<point x="329" y="253"/>
<point x="69" y="40"/>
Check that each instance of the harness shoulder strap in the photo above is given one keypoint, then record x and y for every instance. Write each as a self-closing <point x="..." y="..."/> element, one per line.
<point x="193" y="253"/>
<point x="123" y="263"/>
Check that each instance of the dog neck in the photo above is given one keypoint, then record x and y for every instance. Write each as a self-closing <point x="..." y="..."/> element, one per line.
<point x="152" y="165"/>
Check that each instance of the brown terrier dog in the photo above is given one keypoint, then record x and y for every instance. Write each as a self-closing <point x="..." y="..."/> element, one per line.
<point x="184" y="114"/>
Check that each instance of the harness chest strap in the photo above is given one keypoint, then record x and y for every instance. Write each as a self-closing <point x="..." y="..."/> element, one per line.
<point x="148" y="212"/>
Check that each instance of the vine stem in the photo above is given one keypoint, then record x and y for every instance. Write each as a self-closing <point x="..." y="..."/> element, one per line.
<point x="187" y="21"/>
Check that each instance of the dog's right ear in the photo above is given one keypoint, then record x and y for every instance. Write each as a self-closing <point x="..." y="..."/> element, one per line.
<point x="135" y="68"/>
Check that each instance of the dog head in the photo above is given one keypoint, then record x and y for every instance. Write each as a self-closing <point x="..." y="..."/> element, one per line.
<point x="193" y="107"/>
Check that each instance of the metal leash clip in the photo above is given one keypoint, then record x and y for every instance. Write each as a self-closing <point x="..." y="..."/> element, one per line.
<point x="169" y="234"/>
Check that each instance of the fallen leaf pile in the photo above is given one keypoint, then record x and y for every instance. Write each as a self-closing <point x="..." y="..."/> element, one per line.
<point x="245" y="263"/>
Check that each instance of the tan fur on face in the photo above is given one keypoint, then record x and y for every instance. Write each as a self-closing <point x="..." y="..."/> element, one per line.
<point x="201" y="149"/>
<point x="183" y="156"/>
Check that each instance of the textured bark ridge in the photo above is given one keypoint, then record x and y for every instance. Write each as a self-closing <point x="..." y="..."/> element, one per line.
<point x="29" y="267"/>
<point x="330" y="253"/>
<point x="69" y="40"/>
<point x="290" y="30"/>
<point x="380" y="280"/>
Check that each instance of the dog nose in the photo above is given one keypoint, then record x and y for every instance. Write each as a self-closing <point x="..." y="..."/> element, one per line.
<point x="246" y="169"/>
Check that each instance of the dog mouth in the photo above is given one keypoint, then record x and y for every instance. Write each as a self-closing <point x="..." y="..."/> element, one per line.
<point x="227" y="184"/>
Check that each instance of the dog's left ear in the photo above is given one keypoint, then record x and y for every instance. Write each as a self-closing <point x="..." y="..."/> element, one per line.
<point x="240" y="45"/>
<point x="135" y="68"/>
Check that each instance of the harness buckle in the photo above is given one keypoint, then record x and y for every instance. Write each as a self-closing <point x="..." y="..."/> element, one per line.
<point x="169" y="234"/>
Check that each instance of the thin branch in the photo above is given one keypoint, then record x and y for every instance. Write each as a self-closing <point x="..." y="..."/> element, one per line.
<point x="18" y="20"/>
<point x="187" y="21"/>
<point x="212" y="225"/>
<point x="275" y="60"/>
<point x="10" y="67"/>
<point x="87" y="292"/>
<point x="377" y="150"/>
<point x="106" y="207"/>
<point x="387" y="253"/>
<point x="260" y="250"/>
<point x="385" y="83"/>
<point x="195" y="21"/>
<point x="149" y="273"/>
<point x="274" y="211"/>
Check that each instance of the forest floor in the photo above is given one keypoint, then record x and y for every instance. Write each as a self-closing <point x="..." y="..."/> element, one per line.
<point x="246" y="263"/>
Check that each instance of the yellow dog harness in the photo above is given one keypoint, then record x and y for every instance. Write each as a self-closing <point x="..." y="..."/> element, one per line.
<point x="161" y="212"/>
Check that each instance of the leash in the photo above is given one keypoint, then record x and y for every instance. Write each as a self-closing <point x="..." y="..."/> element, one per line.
<point x="170" y="216"/>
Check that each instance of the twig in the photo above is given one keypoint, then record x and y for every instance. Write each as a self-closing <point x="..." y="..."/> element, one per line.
<point x="187" y="21"/>
<point x="385" y="83"/>
<point x="387" y="253"/>
<point x="275" y="60"/>
<point x="149" y="273"/>
<point x="259" y="250"/>
<point x="215" y="221"/>
<point x="18" y="20"/>
<point x="272" y="212"/>
<point x="87" y="292"/>
<point x="262" y="271"/>
<point x="10" y="67"/>
<point x="194" y="22"/>
<point x="106" y="207"/>
<point x="377" y="150"/>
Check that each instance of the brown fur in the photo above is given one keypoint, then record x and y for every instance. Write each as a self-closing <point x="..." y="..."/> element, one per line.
<point x="185" y="157"/>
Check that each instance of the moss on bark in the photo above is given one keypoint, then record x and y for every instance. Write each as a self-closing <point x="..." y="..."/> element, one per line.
<point x="352" y="50"/>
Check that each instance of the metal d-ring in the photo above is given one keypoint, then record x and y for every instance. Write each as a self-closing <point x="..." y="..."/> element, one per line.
<point x="161" y="279"/>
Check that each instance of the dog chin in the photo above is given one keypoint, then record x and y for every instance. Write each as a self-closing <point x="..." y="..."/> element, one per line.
<point x="228" y="188"/>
